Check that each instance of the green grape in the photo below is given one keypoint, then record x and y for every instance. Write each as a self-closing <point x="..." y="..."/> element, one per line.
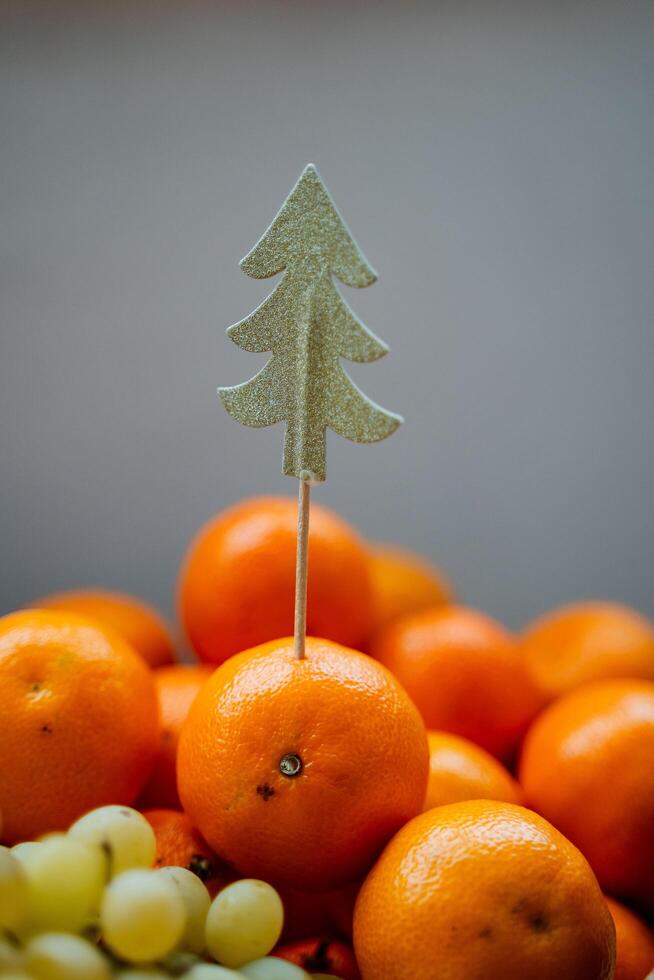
<point x="61" y="956"/>
<point x="211" y="971"/>
<point x="180" y="962"/>
<point x="20" y="850"/>
<point x="196" y="902"/>
<point x="141" y="975"/>
<point x="244" y="922"/>
<point x="142" y="916"/>
<point x="11" y="957"/>
<point x="65" y="879"/>
<point x="13" y="890"/>
<point x="17" y="976"/>
<point x="123" y="833"/>
<point x="273" y="968"/>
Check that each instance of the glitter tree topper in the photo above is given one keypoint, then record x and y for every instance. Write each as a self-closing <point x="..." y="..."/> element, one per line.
<point x="308" y="327"/>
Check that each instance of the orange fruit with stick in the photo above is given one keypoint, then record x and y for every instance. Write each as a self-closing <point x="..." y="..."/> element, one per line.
<point x="177" y="687"/>
<point x="79" y="721"/>
<point x="240" y="579"/>
<point x="460" y="770"/>
<point x="587" y="641"/>
<point x="237" y="585"/>
<point x="137" y="622"/>
<point x="298" y="770"/>
<point x="482" y="889"/>
<point x="463" y="672"/>
<point x="587" y="767"/>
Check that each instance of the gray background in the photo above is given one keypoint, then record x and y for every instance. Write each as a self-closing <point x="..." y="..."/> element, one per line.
<point x="494" y="160"/>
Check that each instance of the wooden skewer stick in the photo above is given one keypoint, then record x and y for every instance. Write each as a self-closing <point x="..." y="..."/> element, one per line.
<point x="301" y="569"/>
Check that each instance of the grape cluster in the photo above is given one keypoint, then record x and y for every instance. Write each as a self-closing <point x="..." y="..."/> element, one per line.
<point x="87" y="905"/>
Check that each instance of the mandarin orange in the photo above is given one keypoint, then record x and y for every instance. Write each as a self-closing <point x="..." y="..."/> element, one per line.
<point x="460" y="770"/>
<point x="587" y="641"/>
<point x="237" y="584"/>
<point x="177" y="687"/>
<point x="463" y="672"/>
<point x="136" y="621"/>
<point x="321" y="955"/>
<point x="634" y="943"/>
<point x="482" y="889"/>
<point x="298" y="771"/>
<point x="181" y="845"/>
<point x="79" y="722"/>
<point x="588" y="766"/>
<point x="403" y="582"/>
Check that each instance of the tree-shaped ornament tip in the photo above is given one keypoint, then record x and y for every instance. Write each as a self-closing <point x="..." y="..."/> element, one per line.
<point x="308" y="327"/>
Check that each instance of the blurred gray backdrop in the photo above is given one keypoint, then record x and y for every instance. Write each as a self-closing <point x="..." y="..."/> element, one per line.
<point x="494" y="160"/>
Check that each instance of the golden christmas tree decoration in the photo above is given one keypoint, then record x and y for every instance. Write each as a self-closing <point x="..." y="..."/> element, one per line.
<point x="308" y="327"/>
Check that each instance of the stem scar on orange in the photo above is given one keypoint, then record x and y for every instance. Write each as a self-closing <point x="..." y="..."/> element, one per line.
<point x="299" y="771"/>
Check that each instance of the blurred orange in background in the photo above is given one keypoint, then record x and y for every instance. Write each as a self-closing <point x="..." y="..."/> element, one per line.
<point x="587" y="641"/>
<point x="237" y="583"/>
<point x="460" y="770"/>
<point x="403" y="582"/>
<point x="463" y="671"/>
<point x="135" y="620"/>
<point x="177" y="687"/>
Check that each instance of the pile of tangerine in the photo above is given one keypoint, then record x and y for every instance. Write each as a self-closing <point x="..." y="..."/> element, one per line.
<point x="423" y="796"/>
